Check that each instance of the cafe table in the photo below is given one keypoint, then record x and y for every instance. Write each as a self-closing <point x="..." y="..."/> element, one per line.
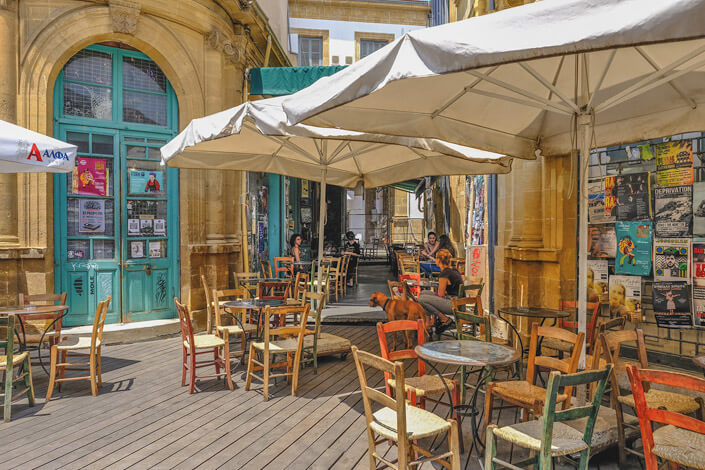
<point x="22" y="311"/>
<point x="472" y="354"/>
<point x="538" y="313"/>
<point x="254" y="305"/>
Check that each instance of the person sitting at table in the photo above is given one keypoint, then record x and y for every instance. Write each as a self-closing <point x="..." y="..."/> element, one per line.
<point x="430" y="247"/>
<point x="352" y="248"/>
<point x="444" y="243"/>
<point x="449" y="284"/>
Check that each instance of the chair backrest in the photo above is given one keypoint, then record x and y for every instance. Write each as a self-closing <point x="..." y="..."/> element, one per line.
<point x="371" y="395"/>
<point x="44" y="321"/>
<point x="344" y="261"/>
<point x="7" y="341"/>
<point x="616" y="323"/>
<point x="247" y="280"/>
<point x="596" y="379"/>
<point x="591" y="326"/>
<point x="612" y="345"/>
<point x="647" y="415"/>
<point x="209" y="303"/>
<point x="300" y="286"/>
<point x="228" y="294"/>
<point x="470" y="325"/>
<point x="101" y="313"/>
<point x="185" y="324"/>
<point x="458" y="264"/>
<point x="273" y="290"/>
<point x="415" y="290"/>
<point x="401" y="325"/>
<point x="473" y="288"/>
<point x="283" y="264"/>
<point x="553" y="363"/>
<point x="266" y="268"/>
<point x="317" y="301"/>
<point x="471" y="304"/>
<point x="333" y="264"/>
<point x="397" y="290"/>
<point x="299" y="312"/>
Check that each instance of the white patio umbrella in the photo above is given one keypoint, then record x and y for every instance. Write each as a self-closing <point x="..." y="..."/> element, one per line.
<point x="25" y="151"/>
<point x="549" y="77"/>
<point x="255" y="137"/>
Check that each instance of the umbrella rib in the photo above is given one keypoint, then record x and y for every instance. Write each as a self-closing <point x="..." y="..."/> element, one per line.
<point x="520" y="101"/>
<point x="644" y="89"/>
<point x="689" y="101"/>
<point x="649" y="78"/>
<point x="450" y="102"/>
<point x="368" y="147"/>
<point x="602" y="77"/>
<point x="287" y="143"/>
<point x="518" y="90"/>
<point x="339" y="149"/>
<point x="549" y="85"/>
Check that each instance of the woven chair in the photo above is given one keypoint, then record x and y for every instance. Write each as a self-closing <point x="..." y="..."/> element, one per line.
<point x="399" y="422"/>
<point x="300" y="289"/>
<point x="71" y="347"/>
<point x="318" y="343"/>
<point x="48" y="325"/>
<point x="458" y="264"/>
<point x="664" y="399"/>
<point x="681" y="439"/>
<point x="273" y="290"/>
<point x="474" y="287"/>
<point x="549" y="436"/>
<point x="194" y="345"/>
<point x="231" y="322"/>
<point x="414" y="290"/>
<point x="210" y="309"/>
<point x="561" y="346"/>
<point x="289" y="346"/>
<point x="334" y="278"/>
<point x="344" y="261"/>
<point x="325" y="281"/>
<point x="266" y="267"/>
<point x="524" y="393"/>
<point x="248" y="281"/>
<point x="8" y="362"/>
<point x="397" y="290"/>
<point x="422" y="387"/>
<point x="284" y="265"/>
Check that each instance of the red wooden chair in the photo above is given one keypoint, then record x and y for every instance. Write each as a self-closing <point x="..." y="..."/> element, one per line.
<point x="192" y="346"/>
<point x="682" y="438"/>
<point x="273" y="290"/>
<point x="284" y="264"/>
<point x="423" y="385"/>
<point x="414" y="290"/>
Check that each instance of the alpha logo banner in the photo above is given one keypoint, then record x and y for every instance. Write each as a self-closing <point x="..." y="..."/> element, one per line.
<point x="50" y="154"/>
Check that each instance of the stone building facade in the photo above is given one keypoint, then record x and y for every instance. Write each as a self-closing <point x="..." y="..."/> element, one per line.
<point x="203" y="50"/>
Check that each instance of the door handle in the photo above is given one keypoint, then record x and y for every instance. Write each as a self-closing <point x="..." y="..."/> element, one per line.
<point x="148" y="268"/>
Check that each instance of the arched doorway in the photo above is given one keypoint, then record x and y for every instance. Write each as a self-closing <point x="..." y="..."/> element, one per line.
<point x="116" y="217"/>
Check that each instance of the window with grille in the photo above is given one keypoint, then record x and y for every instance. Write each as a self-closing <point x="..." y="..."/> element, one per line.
<point x="368" y="46"/>
<point x="310" y="51"/>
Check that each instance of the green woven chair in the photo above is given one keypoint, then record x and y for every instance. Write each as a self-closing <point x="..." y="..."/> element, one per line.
<point x="8" y="362"/>
<point x="549" y="436"/>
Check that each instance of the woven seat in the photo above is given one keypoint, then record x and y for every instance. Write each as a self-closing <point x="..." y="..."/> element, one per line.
<point x="671" y="401"/>
<point x="16" y="360"/>
<point x="80" y="342"/>
<point x="206" y="341"/>
<point x="566" y="440"/>
<point x="328" y="343"/>
<point x="521" y="390"/>
<point x="236" y="330"/>
<point x="419" y="423"/>
<point x="605" y="433"/>
<point x="284" y="345"/>
<point x="425" y="385"/>
<point x="680" y="445"/>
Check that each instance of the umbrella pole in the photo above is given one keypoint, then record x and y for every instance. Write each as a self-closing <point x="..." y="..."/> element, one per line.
<point x="584" y="132"/>
<point x="321" y="224"/>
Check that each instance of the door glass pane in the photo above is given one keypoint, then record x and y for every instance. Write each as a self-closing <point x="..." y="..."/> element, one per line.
<point x="157" y="249"/>
<point x="146" y="218"/>
<point x="144" y="108"/>
<point x="103" y="144"/>
<point x="103" y="249"/>
<point x="89" y="216"/>
<point x="79" y="139"/>
<point x="136" y="249"/>
<point x="154" y="153"/>
<point x="77" y="249"/>
<point x="88" y="101"/>
<point x="134" y="151"/>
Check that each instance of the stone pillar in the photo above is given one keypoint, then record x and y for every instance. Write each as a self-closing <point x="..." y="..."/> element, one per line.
<point x="9" y="230"/>
<point x="215" y="214"/>
<point x="528" y="218"/>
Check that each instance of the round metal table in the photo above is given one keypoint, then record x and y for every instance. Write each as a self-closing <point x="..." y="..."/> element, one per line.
<point x="530" y="312"/>
<point x="477" y="354"/>
<point x="29" y="310"/>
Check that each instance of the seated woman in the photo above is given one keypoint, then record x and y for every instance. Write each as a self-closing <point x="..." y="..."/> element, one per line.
<point x="352" y="248"/>
<point x="427" y="255"/>
<point x="448" y="285"/>
<point x="444" y="243"/>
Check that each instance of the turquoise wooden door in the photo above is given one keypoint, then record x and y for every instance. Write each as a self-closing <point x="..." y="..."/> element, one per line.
<point x="116" y="216"/>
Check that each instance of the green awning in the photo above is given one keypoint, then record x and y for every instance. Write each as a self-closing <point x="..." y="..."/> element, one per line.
<point x="277" y="81"/>
<point x="408" y="186"/>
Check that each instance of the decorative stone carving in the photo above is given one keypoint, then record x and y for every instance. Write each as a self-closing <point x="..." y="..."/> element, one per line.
<point x="234" y="48"/>
<point x="124" y="14"/>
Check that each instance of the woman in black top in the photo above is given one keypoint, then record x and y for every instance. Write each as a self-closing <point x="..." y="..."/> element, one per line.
<point x="449" y="283"/>
<point x="352" y="248"/>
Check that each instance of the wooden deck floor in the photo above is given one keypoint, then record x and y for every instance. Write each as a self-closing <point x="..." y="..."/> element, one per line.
<point x="143" y="418"/>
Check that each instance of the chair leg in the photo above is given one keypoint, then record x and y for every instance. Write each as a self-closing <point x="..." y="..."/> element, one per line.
<point x="490" y="448"/>
<point x="192" y="371"/>
<point x="621" y="441"/>
<point x="456" y="401"/>
<point x="184" y="361"/>
<point x="54" y="354"/>
<point x="250" y="366"/>
<point x="215" y="360"/>
<point x="226" y="360"/>
<point x="265" y="376"/>
<point x="28" y="381"/>
<point x="295" y="375"/>
<point x="99" y="368"/>
<point x="489" y="398"/>
<point x="92" y="372"/>
<point x="7" y="413"/>
<point x="454" y="445"/>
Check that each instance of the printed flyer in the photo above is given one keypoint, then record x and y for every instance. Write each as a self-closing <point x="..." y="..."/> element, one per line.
<point x="673" y="213"/>
<point x="699" y="209"/>
<point x="699" y="302"/>
<point x="145" y="181"/>
<point x="672" y="304"/>
<point x="672" y="259"/>
<point x="155" y="249"/>
<point x="596" y="203"/>
<point x="90" y="176"/>
<point x="625" y="297"/>
<point x="602" y="241"/>
<point x="632" y="200"/>
<point x="633" y="248"/>
<point x="92" y="216"/>
<point x="597" y="278"/>
<point x="674" y="163"/>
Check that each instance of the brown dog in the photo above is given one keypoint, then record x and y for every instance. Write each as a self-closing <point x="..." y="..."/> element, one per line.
<point x="399" y="310"/>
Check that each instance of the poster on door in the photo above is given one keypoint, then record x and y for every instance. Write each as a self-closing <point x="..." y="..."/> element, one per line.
<point x="90" y="177"/>
<point x="146" y="182"/>
<point x="672" y="304"/>
<point x="91" y="216"/>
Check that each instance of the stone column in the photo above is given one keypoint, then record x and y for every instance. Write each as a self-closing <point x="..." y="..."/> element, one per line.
<point x="9" y="229"/>
<point x="215" y="216"/>
<point x="527" y="227"/>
